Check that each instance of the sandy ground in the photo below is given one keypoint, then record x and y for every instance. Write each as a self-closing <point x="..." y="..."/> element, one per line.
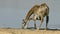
<point x="27" y="31"/>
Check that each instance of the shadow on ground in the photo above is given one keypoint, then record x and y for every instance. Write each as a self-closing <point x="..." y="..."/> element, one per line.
<point x="32" y="28"/>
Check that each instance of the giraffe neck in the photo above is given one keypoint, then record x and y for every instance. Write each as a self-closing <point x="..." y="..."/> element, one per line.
<point x="31" y="11"/>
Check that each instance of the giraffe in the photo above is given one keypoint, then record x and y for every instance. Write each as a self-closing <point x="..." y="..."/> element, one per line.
<point x="31" y="11"/>
<point x="39" y="12"/>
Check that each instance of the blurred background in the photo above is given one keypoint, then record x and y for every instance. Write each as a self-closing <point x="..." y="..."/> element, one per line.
<point x="13" y="11"/>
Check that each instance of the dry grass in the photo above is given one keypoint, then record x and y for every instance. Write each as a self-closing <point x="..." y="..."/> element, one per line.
<point x="27" y="31"/>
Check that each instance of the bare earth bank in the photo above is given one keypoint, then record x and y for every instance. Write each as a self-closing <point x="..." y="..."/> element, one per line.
<point x="27" y="31"/>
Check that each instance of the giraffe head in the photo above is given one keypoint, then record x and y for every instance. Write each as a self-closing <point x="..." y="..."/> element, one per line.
<point x="23" y="23"/>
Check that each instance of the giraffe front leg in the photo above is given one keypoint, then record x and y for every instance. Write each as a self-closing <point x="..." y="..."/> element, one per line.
<point x="34" y="18"/>
<point x="42" y="19"/>
<point x="35" y="24"/>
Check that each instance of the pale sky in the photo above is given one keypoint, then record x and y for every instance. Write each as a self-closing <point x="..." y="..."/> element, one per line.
<point x="13" y="11"/>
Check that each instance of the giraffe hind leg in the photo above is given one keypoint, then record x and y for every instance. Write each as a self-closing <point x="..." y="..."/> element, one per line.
<point x="47" y="19"/>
